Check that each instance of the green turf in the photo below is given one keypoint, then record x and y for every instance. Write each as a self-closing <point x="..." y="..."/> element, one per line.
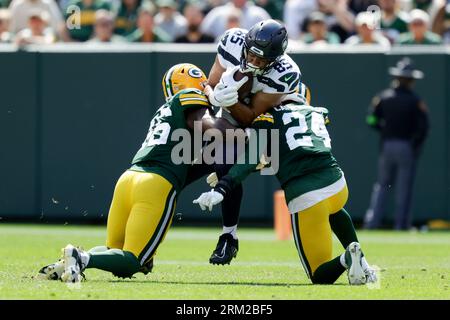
<point x="413" y="266"/>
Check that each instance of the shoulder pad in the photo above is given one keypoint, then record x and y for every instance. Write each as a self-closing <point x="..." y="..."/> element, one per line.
<point x="283" y="77"/>
<point x="188" y="97"/>
<point x="230" y="46"/>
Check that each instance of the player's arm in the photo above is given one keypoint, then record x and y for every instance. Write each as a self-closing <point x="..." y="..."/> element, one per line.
<point x="246" y="164"/>
<point x="196" y="108"/>
<point x="260" y="103"/>
<point x="216" y="72"/>
<point x="203" y="115"/>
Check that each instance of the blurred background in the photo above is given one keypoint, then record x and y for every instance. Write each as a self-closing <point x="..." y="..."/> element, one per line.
<point x="81" y="79"/>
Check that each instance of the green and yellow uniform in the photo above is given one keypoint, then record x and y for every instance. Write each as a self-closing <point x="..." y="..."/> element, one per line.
<point x="313" y="183"/>
<point x="126" y="19"/>
<point x="145" y="195"/>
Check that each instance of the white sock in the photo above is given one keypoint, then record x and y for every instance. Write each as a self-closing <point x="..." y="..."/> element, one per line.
<point x="342" y="260"/>
<point x="232" y="230"/>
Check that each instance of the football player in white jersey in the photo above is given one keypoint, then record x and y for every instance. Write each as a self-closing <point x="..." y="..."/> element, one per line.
<point x="259" y="53"/>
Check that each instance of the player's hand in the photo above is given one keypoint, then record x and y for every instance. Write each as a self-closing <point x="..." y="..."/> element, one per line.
<point x="208" y="200"/>
<point x="222" y="96"/>
<point x="212" y="179"/>
<point x="227" y="78"/>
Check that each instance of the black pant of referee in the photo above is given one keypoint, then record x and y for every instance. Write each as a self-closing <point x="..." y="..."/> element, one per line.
<point x="401" y="117"/>
<point x="396" y="168"/>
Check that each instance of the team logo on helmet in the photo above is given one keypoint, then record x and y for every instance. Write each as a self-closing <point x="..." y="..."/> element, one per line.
<point x="195" y="73"/>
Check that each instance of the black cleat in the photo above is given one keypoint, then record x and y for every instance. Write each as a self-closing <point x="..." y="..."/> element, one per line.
<point x="226" y="249"/>
<point x="147" y="267"/>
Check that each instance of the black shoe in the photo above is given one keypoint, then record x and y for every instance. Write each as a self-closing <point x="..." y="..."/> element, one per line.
<point x="226" y="249"/>
<point x="147" y="267"/>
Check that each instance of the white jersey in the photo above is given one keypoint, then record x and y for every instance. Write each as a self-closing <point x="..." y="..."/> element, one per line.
<point x="283" y="77"/>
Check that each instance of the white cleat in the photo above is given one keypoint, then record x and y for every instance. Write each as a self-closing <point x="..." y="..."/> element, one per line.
<point x="52" y="271"/>
<point x="371" y="275"/>
<point x="73" y="266"/>
<point x="353" y="255"/>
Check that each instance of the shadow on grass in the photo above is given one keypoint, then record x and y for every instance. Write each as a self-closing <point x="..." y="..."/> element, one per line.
<point x="220" y="283"/>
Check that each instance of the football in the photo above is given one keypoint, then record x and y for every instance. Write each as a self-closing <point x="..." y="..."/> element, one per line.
<point x="246" y="89"/>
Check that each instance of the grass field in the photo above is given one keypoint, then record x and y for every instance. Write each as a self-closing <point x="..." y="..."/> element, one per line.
<point x="412" y="266"/>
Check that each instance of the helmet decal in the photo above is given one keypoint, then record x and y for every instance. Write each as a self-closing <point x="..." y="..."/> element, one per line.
<point x="195" y="73"/>
<point x="257" y="51"/>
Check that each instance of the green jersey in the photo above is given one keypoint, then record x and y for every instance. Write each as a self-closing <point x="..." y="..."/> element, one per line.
<point x="304" y="149"/>
<point x="155" y="154"/>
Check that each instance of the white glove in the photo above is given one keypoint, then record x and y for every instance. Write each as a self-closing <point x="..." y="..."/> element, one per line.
<point x="208" y="200"/>
<point x="222" y="96"/>
<point x="212" y="180"/>
<point x="227" y="78"/>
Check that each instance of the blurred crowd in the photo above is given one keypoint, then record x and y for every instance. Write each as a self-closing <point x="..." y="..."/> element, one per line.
<point x="309" y="22"/>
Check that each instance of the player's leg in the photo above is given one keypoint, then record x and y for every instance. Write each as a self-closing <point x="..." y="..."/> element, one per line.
<point x="312" y="234"/>
<point x="150" y="218"/>
<point x="228" y="244"/>
<point x="119" y="211"/>
<point x="313" y="239"/>
<point x="153" y="199"/>
<point x="117" y="217"/>
<point x="342" y="225"/>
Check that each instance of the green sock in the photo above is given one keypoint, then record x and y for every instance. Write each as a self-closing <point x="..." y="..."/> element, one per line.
<point x="121" y="263"/>
<point x="342" y="226"/>
<point x="328" y="272"/>
<point x="98" y="249"/>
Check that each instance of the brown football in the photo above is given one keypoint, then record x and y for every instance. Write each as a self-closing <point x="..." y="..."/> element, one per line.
<point x="246" y="89"/>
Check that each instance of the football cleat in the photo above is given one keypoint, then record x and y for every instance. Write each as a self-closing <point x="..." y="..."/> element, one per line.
<point x="353" y="255"/>
<point x="73" y="264"/>
<point x="226" y="249"/>
<point x="371" y="275"/>
<point x="52" y="271"/>
<point x="147" y="267"/>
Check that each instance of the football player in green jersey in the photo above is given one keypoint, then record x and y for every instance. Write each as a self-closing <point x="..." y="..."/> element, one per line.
<point x="314" y="186"/>
<point x="145" y="195"/>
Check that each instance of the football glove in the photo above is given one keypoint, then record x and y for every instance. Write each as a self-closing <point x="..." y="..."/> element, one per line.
<point x="222" y="96"/>
<point x="228" y="78"/>
<point x="209" y="199"/>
